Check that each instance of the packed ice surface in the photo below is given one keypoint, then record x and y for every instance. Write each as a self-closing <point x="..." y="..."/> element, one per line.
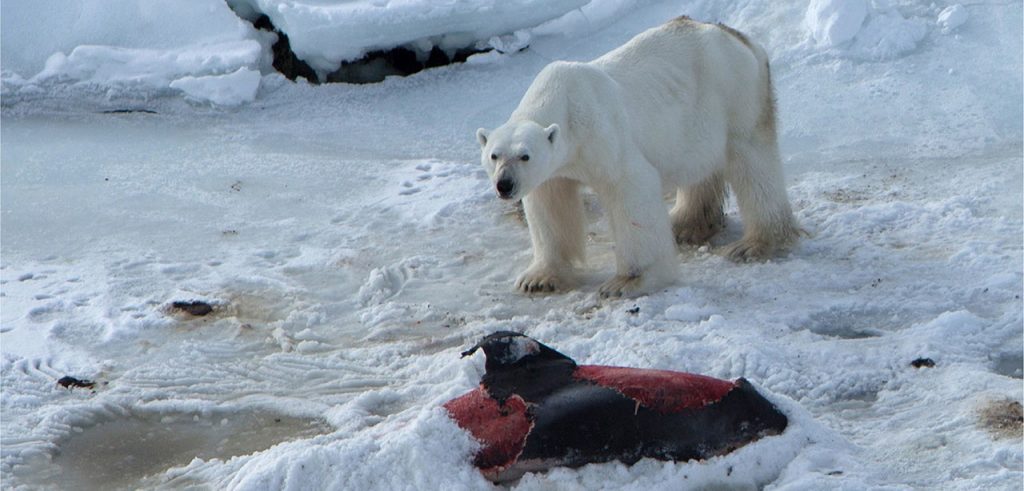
<point x="351" y="248"/>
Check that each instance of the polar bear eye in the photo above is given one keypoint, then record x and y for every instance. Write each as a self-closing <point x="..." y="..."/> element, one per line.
<point x="525" y="158"/>
<point x="494" y="157"/>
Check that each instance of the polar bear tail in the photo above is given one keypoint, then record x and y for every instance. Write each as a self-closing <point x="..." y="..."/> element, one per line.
<point x="767" y="121"/>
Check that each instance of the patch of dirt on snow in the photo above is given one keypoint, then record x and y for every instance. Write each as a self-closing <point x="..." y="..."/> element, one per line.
<point x="1003" y="418"/>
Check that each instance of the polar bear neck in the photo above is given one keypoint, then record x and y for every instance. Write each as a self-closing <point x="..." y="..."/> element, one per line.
<point x="546" y="101"/>
<point x="554" y="98"/>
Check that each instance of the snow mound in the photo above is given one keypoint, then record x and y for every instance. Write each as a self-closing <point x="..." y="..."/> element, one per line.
<point x="224" y="90"/>
<point x="834" y="22"/>
<point x="121" y="45"/>
<point x="862" y="33"/>
<point x="208" y="52"/>
<point x="952" y="17"/>
<point x="888" y="36"/>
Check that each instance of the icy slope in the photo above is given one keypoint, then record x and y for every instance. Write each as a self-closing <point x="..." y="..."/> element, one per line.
<point x="351" y="249"/>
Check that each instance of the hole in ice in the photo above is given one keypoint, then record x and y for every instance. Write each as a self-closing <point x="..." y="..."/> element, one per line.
<point x="1008" y="364"/>
<point x="285" y="60"/>
<point x="132" y="452"/>
<point x="375" y="66"/>
<point x="851" y="324"/>
<point x="128" y="111"/>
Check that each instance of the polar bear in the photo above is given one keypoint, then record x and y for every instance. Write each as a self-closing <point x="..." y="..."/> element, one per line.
<point x="684" y="107"/>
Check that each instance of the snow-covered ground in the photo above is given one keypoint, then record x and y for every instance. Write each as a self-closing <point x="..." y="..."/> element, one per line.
<point x="351" y="247"/>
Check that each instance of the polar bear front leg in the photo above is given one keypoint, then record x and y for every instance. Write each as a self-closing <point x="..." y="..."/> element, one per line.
<point x="554" y="213"/>
<point x="645" y="249"/>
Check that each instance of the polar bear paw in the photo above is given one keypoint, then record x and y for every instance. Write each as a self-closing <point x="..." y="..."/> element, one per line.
<point x="539" y="281"/>
<point x="698" y="228"/>
<point x="697" y="233"/>
<point x="621" y="286"/>
<point x="748" y="250"/>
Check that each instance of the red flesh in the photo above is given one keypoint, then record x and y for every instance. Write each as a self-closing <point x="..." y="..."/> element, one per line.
<point x="501" y="429"/>
<point x="661" y="390"/>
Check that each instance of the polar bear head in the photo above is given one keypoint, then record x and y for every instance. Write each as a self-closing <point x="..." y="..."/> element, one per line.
<point x="519" y="156"/>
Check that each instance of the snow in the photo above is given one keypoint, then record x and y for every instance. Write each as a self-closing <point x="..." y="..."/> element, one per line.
<point x="202" y="47"/>
<point x="326" y="33"/>
<point x="349" y="244"/>
<point x="232" y="89"/>
<point x="834" y="22"/>
<point x="952" y="17"/>
<point x="122" y="45"/>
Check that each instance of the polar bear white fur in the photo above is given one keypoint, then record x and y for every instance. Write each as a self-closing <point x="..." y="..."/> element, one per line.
<point x="687" y="106"/>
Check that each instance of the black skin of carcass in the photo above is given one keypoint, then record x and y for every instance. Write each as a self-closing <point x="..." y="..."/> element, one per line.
<point x="576" y="421"/>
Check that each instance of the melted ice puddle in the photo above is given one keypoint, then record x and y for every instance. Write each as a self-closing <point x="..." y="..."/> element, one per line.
<point x="131" y="452"/>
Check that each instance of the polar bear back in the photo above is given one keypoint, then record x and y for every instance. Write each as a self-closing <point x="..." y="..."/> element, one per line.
<point x="679" y="90"/>
<point x="687" y="86"/>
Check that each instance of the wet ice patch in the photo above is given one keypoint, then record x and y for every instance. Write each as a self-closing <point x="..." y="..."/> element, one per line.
<point x="134" y="450"/>
<point x="853" y="323"/>
<point x="1009" y="364"/>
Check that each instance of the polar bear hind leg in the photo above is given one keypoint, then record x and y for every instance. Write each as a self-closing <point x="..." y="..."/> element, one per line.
<point x="754" y="171"/>
<point x="698" y="214"/>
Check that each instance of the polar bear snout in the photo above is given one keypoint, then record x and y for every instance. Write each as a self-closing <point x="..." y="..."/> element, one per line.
<point x="505" y="186"/>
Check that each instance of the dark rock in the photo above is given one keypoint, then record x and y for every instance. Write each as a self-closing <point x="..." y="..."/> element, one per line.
<point x="69" y="382"/>
<point x="195" y="307"/>
<point x="923" y="363"/>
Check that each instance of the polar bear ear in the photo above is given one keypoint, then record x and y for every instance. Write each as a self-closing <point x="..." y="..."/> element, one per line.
<point x="481" y="136"/>
<point x="551" y="131"/>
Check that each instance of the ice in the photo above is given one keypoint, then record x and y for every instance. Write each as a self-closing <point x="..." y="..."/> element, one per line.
<point x="350" y="244"/>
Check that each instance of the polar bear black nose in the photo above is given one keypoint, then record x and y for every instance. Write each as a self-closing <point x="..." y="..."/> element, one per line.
<point x="505" y="187"/>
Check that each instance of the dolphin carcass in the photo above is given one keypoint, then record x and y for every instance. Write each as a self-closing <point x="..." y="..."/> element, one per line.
<point x="536" y="408"/>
